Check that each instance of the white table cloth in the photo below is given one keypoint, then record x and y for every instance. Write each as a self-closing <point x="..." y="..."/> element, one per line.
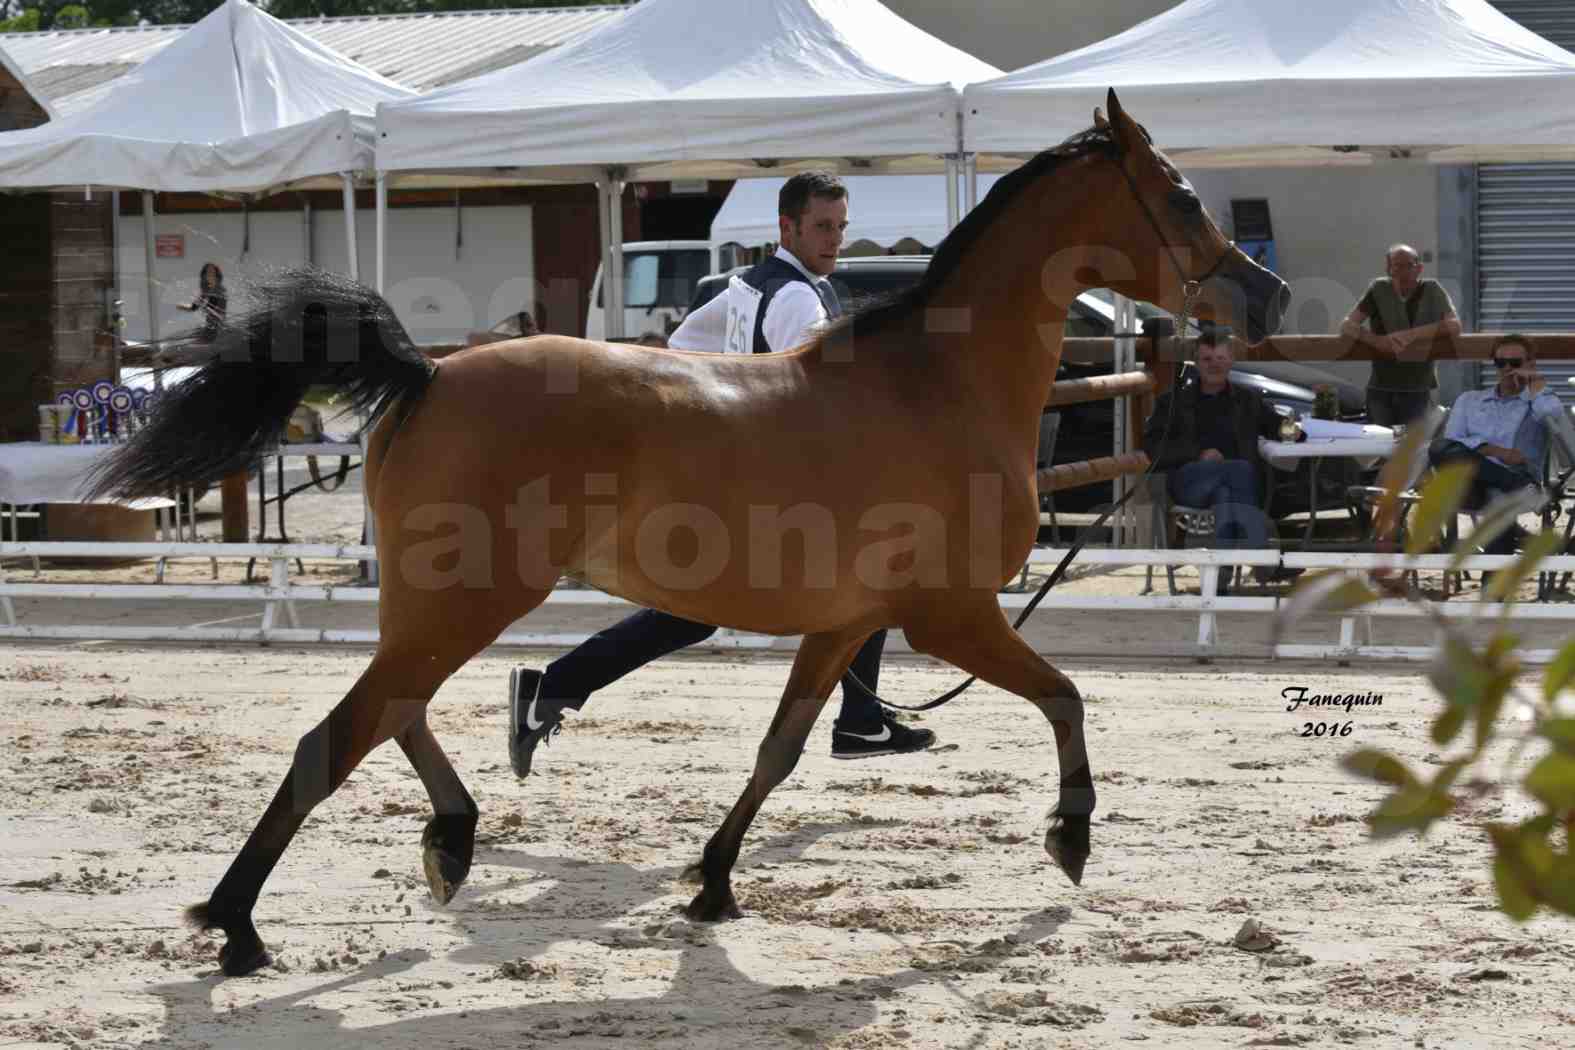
<point x="33" y="472"/>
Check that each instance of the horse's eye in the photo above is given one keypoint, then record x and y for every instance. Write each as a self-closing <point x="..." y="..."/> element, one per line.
<point x="1185" y="202"/>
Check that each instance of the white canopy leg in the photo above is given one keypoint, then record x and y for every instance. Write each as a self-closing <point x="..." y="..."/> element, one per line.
<point x="352" y="249"/>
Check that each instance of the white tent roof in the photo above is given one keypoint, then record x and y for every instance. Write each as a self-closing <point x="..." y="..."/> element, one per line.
<point x="240" y="102"/>
<point x="881" y="208"/>
<point x="696" y="87"/>
<point x="27" y="85"/>
<point x="1260" y="81"/>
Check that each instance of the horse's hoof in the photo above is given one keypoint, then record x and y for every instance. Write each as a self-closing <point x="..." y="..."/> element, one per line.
<point x="243" y="951"/>
<point x="243" y="954"/>
<point x="446" y="869"/>
<point x="1067" y="843"/>
<point x="713" y="907"/>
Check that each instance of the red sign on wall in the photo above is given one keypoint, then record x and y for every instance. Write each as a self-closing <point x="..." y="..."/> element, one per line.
<point x="169" y="245"/>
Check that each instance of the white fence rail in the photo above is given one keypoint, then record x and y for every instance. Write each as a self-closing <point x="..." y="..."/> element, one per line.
<point x="279" y="595"/>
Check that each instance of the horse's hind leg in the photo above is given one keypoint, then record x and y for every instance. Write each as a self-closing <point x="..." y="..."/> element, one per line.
<point x="390" y="694"/>
<point x="822" y="659"/>
<point x="981" y="641"/>
<point x="449" y="841"/>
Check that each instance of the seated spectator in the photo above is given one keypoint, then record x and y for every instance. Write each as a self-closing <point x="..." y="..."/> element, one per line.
<point x="1500" y="431"/>
<point x="1209" y="447"/>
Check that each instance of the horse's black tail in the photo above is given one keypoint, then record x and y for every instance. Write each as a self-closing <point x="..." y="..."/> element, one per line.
<point x="305" y="327"/>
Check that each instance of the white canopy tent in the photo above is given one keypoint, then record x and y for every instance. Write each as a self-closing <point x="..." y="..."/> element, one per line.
<point x="694" y="88"/>
<point x="1234" y="83"/>
<point x="883" y="209"/>
<point x="240" y="103"/>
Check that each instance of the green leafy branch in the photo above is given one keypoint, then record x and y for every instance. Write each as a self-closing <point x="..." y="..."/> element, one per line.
<point x="1532" y="867"/>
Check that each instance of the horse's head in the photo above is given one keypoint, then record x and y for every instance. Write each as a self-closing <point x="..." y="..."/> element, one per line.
<point x="1186" y="244"/>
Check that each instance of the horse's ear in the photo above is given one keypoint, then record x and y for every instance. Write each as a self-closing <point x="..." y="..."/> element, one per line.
<point x="1099" y="119"/>
<point x="1123" y="128"/>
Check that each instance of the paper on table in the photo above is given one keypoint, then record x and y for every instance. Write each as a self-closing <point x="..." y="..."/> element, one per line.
<point x="1330" y="430"/>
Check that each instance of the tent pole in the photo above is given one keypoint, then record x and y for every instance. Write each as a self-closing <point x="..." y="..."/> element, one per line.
<point x="353" y="254"/>
<point x="951" y="192"/>
<point x="615" y="212"/>
<point x="148" y="257"/>
<point x="604" y="233"/>
<point x="381" y="196"/>
<point x="971" y="180"/>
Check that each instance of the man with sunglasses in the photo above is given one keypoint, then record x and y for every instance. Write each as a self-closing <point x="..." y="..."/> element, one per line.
<point x="1401" y="310"/>
<point x="1501" y="430"/>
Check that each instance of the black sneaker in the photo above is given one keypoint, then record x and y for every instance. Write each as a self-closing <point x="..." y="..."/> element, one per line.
<point x="889" y="738"/>
<point x="531" y="719"/>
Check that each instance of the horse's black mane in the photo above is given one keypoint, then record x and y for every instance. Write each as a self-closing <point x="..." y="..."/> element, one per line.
<point x="949" y="253"/>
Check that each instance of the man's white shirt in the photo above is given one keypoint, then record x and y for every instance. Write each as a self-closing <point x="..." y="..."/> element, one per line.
<point x="790" y="316"/>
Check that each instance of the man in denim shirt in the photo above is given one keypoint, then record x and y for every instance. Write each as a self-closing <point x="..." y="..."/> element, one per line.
<point x="1501" y="431"/>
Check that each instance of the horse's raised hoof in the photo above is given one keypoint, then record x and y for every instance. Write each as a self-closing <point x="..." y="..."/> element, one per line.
<point x="243" y="951"/>
<point x="446" y="850"/>
<point x="1067" y="844"/>
<point x="709" y="906"/>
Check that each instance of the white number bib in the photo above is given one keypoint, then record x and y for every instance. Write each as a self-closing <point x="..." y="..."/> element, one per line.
<point x="743" y="307"/>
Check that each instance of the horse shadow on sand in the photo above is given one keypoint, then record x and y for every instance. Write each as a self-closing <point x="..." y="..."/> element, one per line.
<point x="706" y="997"/>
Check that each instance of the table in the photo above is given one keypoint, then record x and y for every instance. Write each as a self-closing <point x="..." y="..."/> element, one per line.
<point x="1372" y="444"/>
<point x="282" y="495"/>
<point x="35" y="472"/>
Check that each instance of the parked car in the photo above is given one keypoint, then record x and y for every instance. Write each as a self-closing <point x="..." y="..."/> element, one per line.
<point x="658" y="283"/>
<point x="1087" y="430"/>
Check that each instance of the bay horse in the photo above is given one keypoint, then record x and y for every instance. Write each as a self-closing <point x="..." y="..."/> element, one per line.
<point x="897" y="447"/>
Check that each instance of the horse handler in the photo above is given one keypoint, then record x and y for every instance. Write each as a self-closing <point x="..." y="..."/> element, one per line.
<point x="770" y="308"/>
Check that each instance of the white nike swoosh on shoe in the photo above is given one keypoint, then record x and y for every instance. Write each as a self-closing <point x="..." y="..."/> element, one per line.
<point x="874" y="738"/>
<point x="530" y="716"/>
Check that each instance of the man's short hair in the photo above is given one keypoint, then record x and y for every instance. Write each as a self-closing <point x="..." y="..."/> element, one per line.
<point x="1514" y="339"/>
<point x="1412" y="252"/>
<point x="796" y="192"/>
<point x="1215" y="335"/>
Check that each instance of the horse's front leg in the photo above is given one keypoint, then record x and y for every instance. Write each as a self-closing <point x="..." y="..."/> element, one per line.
<point x="822" y="659"/>
<point x="981" y="641"/>
<point x="448" y="844"/>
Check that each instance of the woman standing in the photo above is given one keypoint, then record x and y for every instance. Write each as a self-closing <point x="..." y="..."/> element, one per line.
<point x="211" y="299"/>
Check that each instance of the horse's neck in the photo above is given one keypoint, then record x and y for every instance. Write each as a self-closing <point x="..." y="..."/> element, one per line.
<point x="1012" y="290"/>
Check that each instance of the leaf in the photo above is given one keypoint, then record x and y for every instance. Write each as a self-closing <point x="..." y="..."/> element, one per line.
<point x="1459" y="672"/>
<point x="1561" y="731"/>
<point x="1558" y="888"/>
<point x="1552" y="781"/>
<point x="1444" y="779"/>
<point x="1508" y="581"/>
<point x="1560" y="672"/>
<point x="1381" y="766"/>
<point x="1494" y="521"/>
<point x="1441" y="499"/>
<point x="1409" y="809"/>
<point x="1392" y="478"/>
<point x="1514" y="898"/>
<point x="1450" y="721"/>
<point x="1448" y="724"/>
<point x="1323" y="592"/>
<point x="1522" y="862"/>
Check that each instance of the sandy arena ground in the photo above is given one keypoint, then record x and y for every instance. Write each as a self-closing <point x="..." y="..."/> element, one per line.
<point x="896" y="902"/>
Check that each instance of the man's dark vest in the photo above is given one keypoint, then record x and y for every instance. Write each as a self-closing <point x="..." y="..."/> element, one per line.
<point x="770" y="277"/>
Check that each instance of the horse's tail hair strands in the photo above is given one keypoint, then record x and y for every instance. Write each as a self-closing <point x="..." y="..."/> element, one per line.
<point x="301" y="328"/>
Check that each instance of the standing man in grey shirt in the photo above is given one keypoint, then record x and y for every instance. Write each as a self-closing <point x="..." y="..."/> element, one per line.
<point x="1400" y="311"/>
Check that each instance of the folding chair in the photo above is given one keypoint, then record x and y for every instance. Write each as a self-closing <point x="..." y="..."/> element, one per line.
<point x="1171" y="524"/>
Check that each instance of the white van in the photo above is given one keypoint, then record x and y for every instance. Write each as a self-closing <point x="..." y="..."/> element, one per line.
<point x="658" y="280"/>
